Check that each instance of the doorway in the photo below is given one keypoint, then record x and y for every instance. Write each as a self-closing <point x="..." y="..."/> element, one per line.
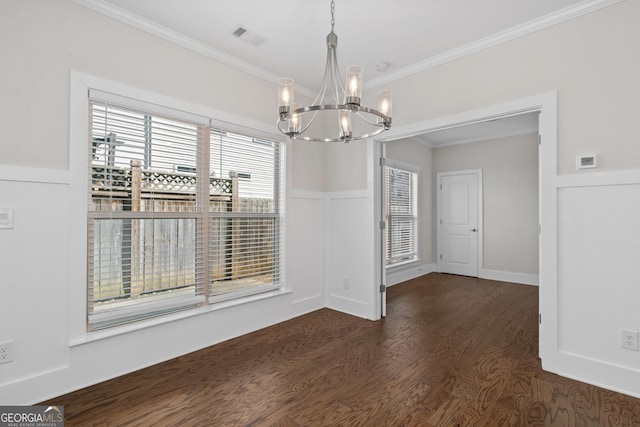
<point x="546" y="106"/>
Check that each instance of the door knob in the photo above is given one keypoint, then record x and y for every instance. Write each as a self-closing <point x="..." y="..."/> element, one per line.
<point x="474" y="230"/>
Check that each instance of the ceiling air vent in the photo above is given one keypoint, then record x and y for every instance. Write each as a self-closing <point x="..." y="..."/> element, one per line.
<point x="248" y="36"/>
<point x="239" y="32"/>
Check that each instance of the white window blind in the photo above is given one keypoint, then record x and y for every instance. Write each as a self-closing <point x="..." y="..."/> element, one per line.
<point x="178" y="214"/>
<point x="245" y="238"/>
<point x="401" y="213"/>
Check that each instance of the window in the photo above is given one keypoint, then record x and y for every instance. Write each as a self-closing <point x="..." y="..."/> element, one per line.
<point x="181" y="214"/>
<point x="401" y="215"/>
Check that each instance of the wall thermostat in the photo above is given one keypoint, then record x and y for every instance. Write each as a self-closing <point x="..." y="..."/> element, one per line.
<point x="586" y="161"/>
<point x="6" y="219"/>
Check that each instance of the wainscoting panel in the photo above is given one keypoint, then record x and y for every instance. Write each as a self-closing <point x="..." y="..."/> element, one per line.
<point x="34" y="257"/>
<point x="350" y="253"/>
<point x="305" y="233"/>
<point x="599" y="282"/>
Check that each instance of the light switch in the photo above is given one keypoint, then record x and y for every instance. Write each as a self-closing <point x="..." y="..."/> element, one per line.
<point x="6" y="219"/>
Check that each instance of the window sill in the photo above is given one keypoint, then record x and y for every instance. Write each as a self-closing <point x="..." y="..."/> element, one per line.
<point x="401" y="264"/>
<point x="90" y="337"/>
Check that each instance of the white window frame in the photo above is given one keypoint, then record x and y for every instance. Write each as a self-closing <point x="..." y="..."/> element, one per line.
<point x="406" y="167"/>
<point x="80" y="84"/>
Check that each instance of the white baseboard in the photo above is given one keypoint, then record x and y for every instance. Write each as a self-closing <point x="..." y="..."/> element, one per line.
<point x="599" y="373"/>
<point x="508" y="276"/>
<point x="307" y="305"/>
<point x="403" y="274"/>
<point x="348" y="306"/>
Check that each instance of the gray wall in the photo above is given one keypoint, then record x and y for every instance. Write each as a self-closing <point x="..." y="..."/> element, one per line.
<point x="510" y="188"/>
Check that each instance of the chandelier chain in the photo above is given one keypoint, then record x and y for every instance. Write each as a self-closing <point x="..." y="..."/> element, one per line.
<point x="333" y="9"/>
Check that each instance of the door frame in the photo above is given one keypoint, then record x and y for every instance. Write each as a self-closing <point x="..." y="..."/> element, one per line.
<point x="439" y="237"/>
<point x="383" y="225"/>
<point x="547" y="105"/>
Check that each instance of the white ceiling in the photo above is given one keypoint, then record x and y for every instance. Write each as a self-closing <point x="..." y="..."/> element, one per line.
<point x="410" y="35"/>
<point x="407" y="34"/>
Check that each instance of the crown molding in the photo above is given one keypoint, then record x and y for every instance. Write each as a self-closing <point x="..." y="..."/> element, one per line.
<point x="549" y="20"/>
<point x="494" y="136"/>
<point x="546" y="21"/>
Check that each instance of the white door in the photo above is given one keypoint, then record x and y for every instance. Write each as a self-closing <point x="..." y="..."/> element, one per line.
<point x="459" y="222"/>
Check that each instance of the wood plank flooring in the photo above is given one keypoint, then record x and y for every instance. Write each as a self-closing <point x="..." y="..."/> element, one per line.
<point x="453" y="351"/>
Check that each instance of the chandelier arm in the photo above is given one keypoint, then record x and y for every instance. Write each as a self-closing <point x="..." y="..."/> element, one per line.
<point x="367" y="120"/>
<point x="313" y="117"/>
<point x="323" y="87"/>
<point x="339" y="80"/>
<point x="335" y="76"/>
<point x="320" y="97"/>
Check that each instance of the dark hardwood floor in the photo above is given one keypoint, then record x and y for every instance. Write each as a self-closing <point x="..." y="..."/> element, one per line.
<point x="452" y="351"/>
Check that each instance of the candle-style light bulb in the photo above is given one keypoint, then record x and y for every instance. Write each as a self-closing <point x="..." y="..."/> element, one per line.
<point x="344" y="121"/>
<point x="285" y="96"/>
<point x="353" y="85"/>
<point x="384" y="102"/>
<point x="384" y="106"/>
<point x="295" y="122"/>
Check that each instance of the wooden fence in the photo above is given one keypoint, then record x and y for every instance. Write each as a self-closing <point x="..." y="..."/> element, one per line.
<point x="137" y="256"/>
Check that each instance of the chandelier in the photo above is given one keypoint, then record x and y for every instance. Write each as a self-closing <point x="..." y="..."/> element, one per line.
<point x="336" y="114"/>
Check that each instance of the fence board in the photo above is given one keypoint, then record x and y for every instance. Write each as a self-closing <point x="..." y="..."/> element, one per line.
<point x="151" y="255"/>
